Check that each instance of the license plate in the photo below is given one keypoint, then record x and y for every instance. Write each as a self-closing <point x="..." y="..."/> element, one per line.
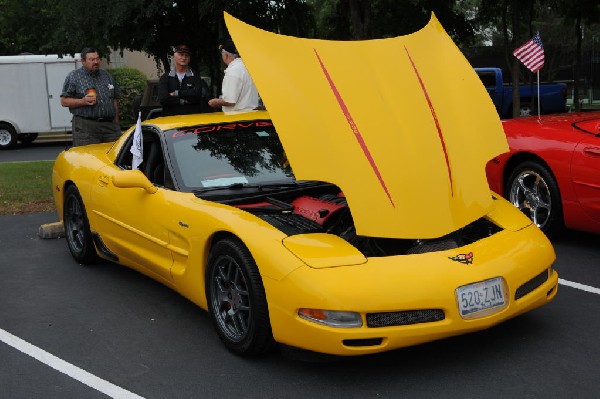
<point x="481" y="299"/>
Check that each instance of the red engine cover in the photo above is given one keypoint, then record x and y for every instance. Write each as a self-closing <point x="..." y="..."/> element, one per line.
<point x="315" y="209"/>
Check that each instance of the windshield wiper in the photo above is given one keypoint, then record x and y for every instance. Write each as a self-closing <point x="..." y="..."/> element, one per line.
<point x="238" y="186"/>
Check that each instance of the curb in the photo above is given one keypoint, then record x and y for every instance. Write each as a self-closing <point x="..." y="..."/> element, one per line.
<point x="51" y="230"/>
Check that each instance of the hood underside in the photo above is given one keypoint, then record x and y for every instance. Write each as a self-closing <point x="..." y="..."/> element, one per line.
<point x="402" y="125"/>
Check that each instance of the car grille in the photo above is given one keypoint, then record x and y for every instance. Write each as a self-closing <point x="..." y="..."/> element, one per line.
<point x="404" y="318"/>
<point x="531" y="284"/>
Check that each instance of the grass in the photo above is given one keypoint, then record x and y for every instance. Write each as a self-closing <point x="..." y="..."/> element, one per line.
<point x="26" y="187"/>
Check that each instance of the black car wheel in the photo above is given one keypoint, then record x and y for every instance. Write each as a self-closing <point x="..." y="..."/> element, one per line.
<point x="532" y="188"/>
<point x="526" y="109"/>
<point x="236" y="299"/>
<point x="77" y="228"/>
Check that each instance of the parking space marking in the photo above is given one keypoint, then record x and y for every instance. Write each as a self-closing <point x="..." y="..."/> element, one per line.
<point x="582" y="287"/>
<point x="64" y="367"/>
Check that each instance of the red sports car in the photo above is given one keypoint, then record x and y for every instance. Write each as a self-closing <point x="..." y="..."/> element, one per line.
<point x="552" y="172"/>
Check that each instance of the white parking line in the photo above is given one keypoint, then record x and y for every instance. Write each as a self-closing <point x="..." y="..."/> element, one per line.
<point x="582" y="287"/>
<point x="66" y="368"/>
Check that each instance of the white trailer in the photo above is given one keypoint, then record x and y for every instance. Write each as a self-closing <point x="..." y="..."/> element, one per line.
<point x="30" y="87"/>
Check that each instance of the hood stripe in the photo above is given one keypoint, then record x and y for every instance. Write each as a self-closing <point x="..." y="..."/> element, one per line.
<point x="437" y="123"/>
<point x="354" y="128"/>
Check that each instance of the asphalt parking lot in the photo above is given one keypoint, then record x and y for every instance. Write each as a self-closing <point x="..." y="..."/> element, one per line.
<point x="44" y="148"/>
<point x="68" y="331"/>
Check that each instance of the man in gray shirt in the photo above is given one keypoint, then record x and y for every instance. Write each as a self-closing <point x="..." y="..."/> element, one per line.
<point x="91" y="95"/>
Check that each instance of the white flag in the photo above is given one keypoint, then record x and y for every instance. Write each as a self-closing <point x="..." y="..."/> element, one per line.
<point x="137" y="147"/>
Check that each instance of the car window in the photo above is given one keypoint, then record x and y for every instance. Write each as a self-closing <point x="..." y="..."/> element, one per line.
<point x="225" y="154"/>
<point x="488" y="79"/>
<point x="153" y="164"/>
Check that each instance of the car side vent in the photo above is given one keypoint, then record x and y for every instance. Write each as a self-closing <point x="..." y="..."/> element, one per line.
<point x="531" y="284"/>
<point x="404" y="318"/>
<point x="291" y="224"/>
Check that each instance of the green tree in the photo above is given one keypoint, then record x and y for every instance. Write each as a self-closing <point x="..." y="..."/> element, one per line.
<point x="151" y="26"/>
<point x="131" y="83"/>
<point x="578" y="15"/>
<point x="364" y="19"/>
<point x="24" y="25"/>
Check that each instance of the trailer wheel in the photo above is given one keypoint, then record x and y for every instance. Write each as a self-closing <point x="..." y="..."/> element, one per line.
<point x="27" y="138"/>
<point x="8" y="136"/>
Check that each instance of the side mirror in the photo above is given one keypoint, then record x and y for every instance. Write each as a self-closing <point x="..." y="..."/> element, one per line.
<point x="133" y="179"/>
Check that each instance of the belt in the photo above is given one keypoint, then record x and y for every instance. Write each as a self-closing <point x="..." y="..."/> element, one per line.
<point x="96" y="119"/>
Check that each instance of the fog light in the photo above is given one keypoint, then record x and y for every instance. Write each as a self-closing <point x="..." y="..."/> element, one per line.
<point x="331" y="318"/>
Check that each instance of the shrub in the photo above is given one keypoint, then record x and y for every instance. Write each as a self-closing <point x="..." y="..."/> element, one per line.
<point x="131" y="83"/>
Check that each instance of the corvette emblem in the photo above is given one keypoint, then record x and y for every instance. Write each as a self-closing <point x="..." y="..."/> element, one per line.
<point x="467" y="259"/>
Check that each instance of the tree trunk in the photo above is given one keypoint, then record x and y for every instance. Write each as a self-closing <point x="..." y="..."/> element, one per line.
<point x="516" y="99"/>
<point x="360" y="18"/>
<point x="578" y="32"/>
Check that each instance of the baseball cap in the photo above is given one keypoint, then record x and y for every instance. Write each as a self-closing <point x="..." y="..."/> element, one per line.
<point x="229" y="46"/>
<point x="182" y="48"/>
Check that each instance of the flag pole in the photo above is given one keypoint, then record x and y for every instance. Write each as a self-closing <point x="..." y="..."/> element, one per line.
<point x="538" y="93"/>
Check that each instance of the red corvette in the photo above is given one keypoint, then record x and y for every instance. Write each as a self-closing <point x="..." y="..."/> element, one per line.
<point x="552" y="172"/>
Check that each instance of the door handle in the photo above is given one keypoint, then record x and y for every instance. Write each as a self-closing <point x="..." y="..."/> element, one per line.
<point x="103" y="180"/>
<point x="593" y="152"/>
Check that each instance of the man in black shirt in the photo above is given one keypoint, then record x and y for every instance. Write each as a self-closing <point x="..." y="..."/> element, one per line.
<point x="180" y="91"/>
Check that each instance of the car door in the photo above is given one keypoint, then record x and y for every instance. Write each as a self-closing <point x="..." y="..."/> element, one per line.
<point x="585" y="171"/>
<point x="132" y="222"/>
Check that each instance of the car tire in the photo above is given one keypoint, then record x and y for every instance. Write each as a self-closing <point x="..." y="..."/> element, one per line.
<point x="526" y="109"/>
<point x="27" y="138"/>
<point x="77" y="228"/>
<point x="532" y="188"/>
<point x="236" y="299"/>
<point x="8" y="136"/>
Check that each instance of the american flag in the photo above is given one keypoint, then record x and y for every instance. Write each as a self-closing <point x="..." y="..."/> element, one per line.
<point x="531" y="54"/>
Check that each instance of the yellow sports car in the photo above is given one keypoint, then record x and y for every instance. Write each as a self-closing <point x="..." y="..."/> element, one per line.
<point x="349" y="219"/>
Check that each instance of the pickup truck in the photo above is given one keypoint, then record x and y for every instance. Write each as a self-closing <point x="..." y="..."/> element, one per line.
<point x="553" y="96"/>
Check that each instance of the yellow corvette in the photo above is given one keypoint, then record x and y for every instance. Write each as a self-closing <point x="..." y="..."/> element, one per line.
<point x="374" y="229"/>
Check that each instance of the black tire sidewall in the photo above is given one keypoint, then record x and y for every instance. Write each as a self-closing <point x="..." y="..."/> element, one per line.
<point x="28" y="138"/>
<point x="87" y="254"/>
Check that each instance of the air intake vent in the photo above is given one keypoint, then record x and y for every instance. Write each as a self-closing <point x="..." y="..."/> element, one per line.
<point x="405" y="317"/>
<point x="291" y="224"/>
<point x="531" y="285"/>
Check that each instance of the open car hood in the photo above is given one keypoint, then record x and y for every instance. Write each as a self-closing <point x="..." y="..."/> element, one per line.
<point x="402" y="125"/>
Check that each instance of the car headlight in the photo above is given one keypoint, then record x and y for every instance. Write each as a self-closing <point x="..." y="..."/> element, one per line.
<point x="331" y="318"/>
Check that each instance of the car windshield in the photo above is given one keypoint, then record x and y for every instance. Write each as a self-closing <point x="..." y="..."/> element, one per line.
<point x="228" y="155"/>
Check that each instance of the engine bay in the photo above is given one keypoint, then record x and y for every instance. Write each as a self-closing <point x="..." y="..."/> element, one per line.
<point x="326" y="211"/>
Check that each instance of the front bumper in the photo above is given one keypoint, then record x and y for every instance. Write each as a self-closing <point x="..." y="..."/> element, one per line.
<point x="410" y="285"/>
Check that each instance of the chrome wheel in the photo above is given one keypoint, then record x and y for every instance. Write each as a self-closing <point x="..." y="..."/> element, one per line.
<point x="533" y="189"/>
<point x="526" y="110"/>
<point x="8" y="136"/>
